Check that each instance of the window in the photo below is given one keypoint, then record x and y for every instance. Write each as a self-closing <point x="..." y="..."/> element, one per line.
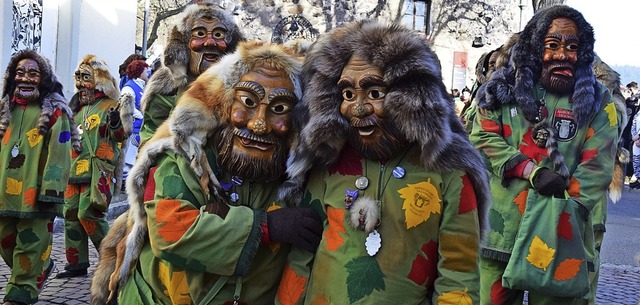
<point x="417" y="15"/>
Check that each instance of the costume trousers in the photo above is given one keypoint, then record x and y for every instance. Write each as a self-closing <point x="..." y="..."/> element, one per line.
<point x="493" y="293"/>
<point x="82" y="221"/>
<point x="26" y="248"/>
<point x="636" y="160"/>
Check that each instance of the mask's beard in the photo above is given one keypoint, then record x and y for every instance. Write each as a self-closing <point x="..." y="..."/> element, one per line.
<point x="86" y="96"/>
<point x="248" y="167"/>
<point x="557" y="83"/>
<point x="27" y="95"/>
<point x="198" y="63"/>
<point x="384" y="146"/>
<point x="195" y="63"/>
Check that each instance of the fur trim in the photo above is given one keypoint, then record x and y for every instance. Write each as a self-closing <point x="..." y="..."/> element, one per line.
<point x="365" y="209"/>
<point x="109" y="248"/>
<point x="417" y="101"/>
<point x="51" y="96"/>
<point x="516" y="82"/>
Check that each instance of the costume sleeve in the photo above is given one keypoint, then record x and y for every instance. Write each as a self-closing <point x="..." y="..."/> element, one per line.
<point x="184" y="234"/>
<point x="458" y="244"/>
<point x="57" y="161"/>
<point x="295" y="279"/>
<point x="487" y="136"/>
<point x="156" y="112"/>
<point x="595" y="167"/>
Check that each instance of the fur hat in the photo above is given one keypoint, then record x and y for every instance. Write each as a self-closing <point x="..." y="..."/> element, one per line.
<point x="516" y="81"/>
<point x="417" y="101"/>
<point x="51" y="96"/>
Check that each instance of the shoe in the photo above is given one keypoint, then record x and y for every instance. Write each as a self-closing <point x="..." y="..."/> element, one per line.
<point x="13" y="303"/>
<point x="47" y="274"/>
<point x="71" y="273"/>
<point x="635" y="184"/>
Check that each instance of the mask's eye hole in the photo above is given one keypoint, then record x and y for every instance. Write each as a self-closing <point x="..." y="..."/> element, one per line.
<point x="552" y="45"/>
<point x="376" y="94"/>
<point x="572" y="47"/>
<point x="218" y="34"/>
<point x="248" y="101"/>
<point x="280" y="108"/>
<point x="348" y="95"/>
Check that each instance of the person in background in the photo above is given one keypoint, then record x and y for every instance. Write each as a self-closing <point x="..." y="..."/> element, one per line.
<point x="36" y="135"/>
<point x="122" y="69"/>
<point x="203" y="33"/>
<point x="390" y="168"/>
<point x="138" y="72"/>
<point x="631" y="100"/>
<point x="550" y="138"/>
<point x="92" y="178"/>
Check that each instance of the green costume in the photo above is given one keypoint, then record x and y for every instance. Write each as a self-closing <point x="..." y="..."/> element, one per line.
<point x="504" y="138"/>
<point x="91" y="182"/>
<point x="35" y="139"/>
<point x="188" y="248"/>
<point x="429" y="232"/>
<point x="155" y="112"/>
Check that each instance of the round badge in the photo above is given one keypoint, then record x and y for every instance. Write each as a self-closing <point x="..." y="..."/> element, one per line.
<point x="398" y="172"/>
<point x="362" y="183"/>
<point x="235" y="197"/>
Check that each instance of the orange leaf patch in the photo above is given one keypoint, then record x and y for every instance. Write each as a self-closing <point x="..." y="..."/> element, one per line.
<point x="30" y="197"/>
<point x="567" y="269"/>
<point x="176" y="220"/>
<point x="89" y="226"/>
<point x="574" y="188"/>
<point x="105" y="151"/>
<point x="291" y="286"/>
<point x="7" y="135"/>
<point x="335" y="227"/>
<point x="72" y="190"/>
<point x="521" y="201"/>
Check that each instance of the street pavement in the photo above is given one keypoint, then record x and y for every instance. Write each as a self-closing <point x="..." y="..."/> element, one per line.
<point x="618" y="284"/>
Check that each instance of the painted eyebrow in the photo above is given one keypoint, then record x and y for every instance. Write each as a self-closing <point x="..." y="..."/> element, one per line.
<point x="281" y="92"/>
<point x="370" y="81"/>
<point x="554" y="35"/>
<point x="344" y="83"/>
<point x="252" y="87"/>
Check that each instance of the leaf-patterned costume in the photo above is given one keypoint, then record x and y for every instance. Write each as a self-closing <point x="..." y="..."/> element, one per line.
<point x="504" y="138"/>
<point x="429" y="232"/>
<point x="91" y="182"/>
<point x="189" y="248"/>
<point x="33" y="177"/>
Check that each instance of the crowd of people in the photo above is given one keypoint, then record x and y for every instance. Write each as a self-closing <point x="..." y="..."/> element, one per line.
<point x="341" y="172"/>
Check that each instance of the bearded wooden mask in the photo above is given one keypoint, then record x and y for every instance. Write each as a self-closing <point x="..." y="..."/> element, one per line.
<point x="207" y="44"/>
<point x="363" y="91"/>
<point x="27" y="80"/>
<point x="254" y="145"/>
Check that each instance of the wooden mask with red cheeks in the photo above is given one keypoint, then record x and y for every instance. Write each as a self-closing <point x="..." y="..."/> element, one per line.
<point x="207" y="44"/>
<point x="560" y="56"/>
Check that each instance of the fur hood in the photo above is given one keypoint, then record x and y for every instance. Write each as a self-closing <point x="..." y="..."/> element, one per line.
<point x="417" y="100"/>
<point x="198" y="113"/>
<point x="173" y="75"/>
<point x="51" y="96"/>
<point x="516" y="81"/>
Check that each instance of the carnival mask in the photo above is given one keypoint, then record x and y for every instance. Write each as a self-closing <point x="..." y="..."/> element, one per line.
<point x="207" y="44"/>
<point x="27" y="80"/>
<point x="255" y="142"/>
<point x="363" y="92"/>
<point x="85" y="84"/>
<point x="559" y="56"/>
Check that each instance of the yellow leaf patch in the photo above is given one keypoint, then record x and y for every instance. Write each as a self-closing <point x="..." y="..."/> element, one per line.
<point x="34" y="137"/>
<point x="82" y="166"/>
<point x="455" y="298"/>
<point x="176" y="284"/>
<point x="14" y="187"/>
<point x="613" y="114"/>
<point x="46" y="254"/>
<point x="460" y="253"/>
<point x="540" y="255"/>
<point x="420" y="201"/>
<point x="94" y="120"/>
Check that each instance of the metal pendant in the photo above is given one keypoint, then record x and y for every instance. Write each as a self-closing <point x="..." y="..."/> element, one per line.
<point x="373" y="243"/>
<point x="362" y="183"/>
<point x="235" y="197"/>
<point x="80" y="129"/>
<point x="15" y="151"/>
<point x="398" y="172"/>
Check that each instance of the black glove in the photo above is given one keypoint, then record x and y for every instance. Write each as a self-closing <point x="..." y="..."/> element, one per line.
<point x="548" y="183"/>
<point x="300" y="227"/>
<point x="114" y="117"/>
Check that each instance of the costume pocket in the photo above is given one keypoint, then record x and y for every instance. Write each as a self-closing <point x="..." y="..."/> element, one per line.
<point x="553" y="248"/>
<point x="102" y="184"/>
